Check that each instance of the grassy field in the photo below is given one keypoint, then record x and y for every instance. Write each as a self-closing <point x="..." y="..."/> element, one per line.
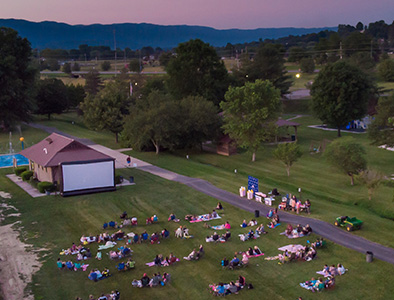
<point x="73" y="124"/>
<point x="328" y="189"/>
<point x="54" y="223"/>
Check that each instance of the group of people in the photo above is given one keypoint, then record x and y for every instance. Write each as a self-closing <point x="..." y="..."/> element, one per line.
<point x="195" y="254"/>
<point x="290" y="202"/>
<point x="70" y="265"/>
<point x="96" y="275"/>
<point x="215" y="237"/>
<point x="307" y="254"/>
<point x="252" y="222"/>
<point x="298" y="231"/>
<point x="145" y="237"/>
<point x="333" y="270"/>
<point x="223" y="289"/>
<point x="182" y="232"/>
<point x="318" y="284"/>
<point x="151" y="220"/>
<point x="273" y="217"/>
<point x="123" y="252"/>
<point x="165" y="262"/>
<point x="123" y="266"/>
<point x="156" y="280"/>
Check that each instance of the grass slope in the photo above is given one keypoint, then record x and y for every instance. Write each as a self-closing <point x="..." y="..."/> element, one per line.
<point x="54" y="223"/>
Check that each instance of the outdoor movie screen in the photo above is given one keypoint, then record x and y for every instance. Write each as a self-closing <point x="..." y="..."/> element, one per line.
<point x="87" y="176"/>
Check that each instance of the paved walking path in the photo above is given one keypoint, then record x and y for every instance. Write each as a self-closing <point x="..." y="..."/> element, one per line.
<point x="324" y="229"/>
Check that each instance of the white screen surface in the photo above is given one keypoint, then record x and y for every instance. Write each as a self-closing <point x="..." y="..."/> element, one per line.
<point x="88" y="176"/>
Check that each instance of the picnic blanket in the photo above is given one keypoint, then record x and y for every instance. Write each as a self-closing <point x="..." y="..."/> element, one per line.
<point x="151" y="264"/>
<point x="256" y="255"/>
<point x="218" y="227"/>
<point x="291" y="248"/>
<point x="210" y="240"/>
<point x="292" y="236"/>
<point x="274" y="226"/>
<point x="272" y="257"/>
<point x="107" y="245"/>
<point x="67" y="252"/>
<point x="323" y="273"/>
<point x="204" y="218"/>
<point x="245" y="237"/>
<point x="305" y="286"/>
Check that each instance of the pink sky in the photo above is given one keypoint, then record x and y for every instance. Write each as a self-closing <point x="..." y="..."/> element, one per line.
<point x="219" y="14"/>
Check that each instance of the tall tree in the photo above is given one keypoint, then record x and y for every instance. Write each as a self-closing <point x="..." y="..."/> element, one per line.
<point x="347" y="156"/>
<point x="76" y="94"/>
<point x="51" y="97"/>
<point x="386" y="70"/>
<point x="152" y="121"/>
<point x="268" y="63"/>
<point x="371" y="179"/>
<point x="197" y="70"/>
<point x="381" y="130"/>
<point x="106" y="109"/>
<point x="288" y="153"/>
<point x="248" y="112"/>
<point x="340" y="94"/>
<point x="105" y="65"/>
<point x="16" y="80"/>
<point x="93" y="82"/>
<point x="66" y="68"/>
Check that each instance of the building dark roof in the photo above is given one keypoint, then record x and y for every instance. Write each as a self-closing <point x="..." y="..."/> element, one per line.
<point x="281" y="123"/>
<point x="56" y="149"/>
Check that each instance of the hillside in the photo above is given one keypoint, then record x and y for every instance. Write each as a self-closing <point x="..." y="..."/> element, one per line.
<point x="60" y="35"/>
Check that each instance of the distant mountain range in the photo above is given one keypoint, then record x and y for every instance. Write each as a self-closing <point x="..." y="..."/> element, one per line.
<point x="60" y="35"/>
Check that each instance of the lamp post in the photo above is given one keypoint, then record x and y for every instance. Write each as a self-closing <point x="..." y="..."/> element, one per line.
<point x="22" y="139"/>
<point x="299" y="190"/>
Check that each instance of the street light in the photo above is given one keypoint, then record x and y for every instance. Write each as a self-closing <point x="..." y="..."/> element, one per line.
<point x="298" y="75"/>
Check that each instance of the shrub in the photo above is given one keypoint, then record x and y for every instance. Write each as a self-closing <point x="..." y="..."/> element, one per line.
<point x="26" y="175"/>
<point x="45" y="186"/>
<point x="118" y="179"/>
<point x="19" y="170"/>
<point x="34" y="182"/>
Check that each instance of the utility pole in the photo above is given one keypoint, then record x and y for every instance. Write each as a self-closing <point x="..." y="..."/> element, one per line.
<point x="340" y="50"/>
<point x="115" y="51"/>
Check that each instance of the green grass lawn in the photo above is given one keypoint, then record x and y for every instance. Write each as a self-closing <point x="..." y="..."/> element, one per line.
<point x="54" y="223"/>
<point x="64" y="123"/>
<point x="328" y="189"/>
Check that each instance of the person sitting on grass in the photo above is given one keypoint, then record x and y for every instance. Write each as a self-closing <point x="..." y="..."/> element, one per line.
<point x="93" y="275"/>
<point x="144" y="236"/>
<point x="289" y="230"/>
<point x="245" y="259"/>
<point x="252" y="222"/>
<point x="333" y="270"/>
<point x="145" y="280"/>
<point x="173" y="218"/>
<point x="227" y="235"/>
<point x="179" y="232"/>
<point x="256" y="250"/>
<point x="165" y="233"/>
<point x="130" y="264"/>
<point x="306" y="230"/>
<point x="154" y="238"/>
<point x="260" y="230"/>
<point x="136" y="239"/>
<point x="234" y="262"/>
<point x="157" y="261"/>
<point x="318" y="286"/>
<point x="60" y="264"/>
<point x="166" y="278"/>
<point x="123" y="215"/>
<point x="134" y="221"/>
<point x="214" y="214"/>
<point x="220" y="290"/>
<point x="240" y="282"/>
<point x="215" y="237"/>
<point x="70" y="265"/>
<point x="274" y="221"/>
<point x="219" y="206"/>
<point x="224" y="262"/>
<point x="250" y="234"/>
<point x="341" y="269"/>
<point x="155" y="281"/>
<point x="191" y="256"/>
<point x="201" y="249"/>
<point x="232" y="288"/>
<point x="244" y="224"/>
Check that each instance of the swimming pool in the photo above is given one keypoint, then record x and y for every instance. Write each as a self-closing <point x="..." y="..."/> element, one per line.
<point x="6" y="160"/>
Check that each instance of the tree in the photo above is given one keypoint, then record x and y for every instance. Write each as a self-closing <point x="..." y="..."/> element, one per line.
<point x="51" y="97"/>
<point x="247" y="112"/>
<point x="360" y="26"/>
<point x="53" y="64"/>
<point x="197" y="70"/>
<point x="76" y="67"/>
<point x="135" y="66"/>
<point x="76" y="94"/>
<point x="106" y="65"/>
<point x="347" y="156"/>
<point x="66" y="68"/>
<point x="268" y="63"/>
<point x="164" y="58"/>
<point x="371" y="179"/>
<point x="381" y="130"/>
<point x="340" y="94"/>
<point x="307" y="65"/>
<point x="106" y="109"/>
<point x="153" y="120"/>
<point x="297" y="53"/>
<point x="288" y="153"/>
<point x="199" y="121"/>
<point x="93" y="82"/>
<point x="386" y="70"/>
<point x="17" y="79"/>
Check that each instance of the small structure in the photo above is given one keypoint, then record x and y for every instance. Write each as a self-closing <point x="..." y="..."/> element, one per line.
<point x="286" y="123"/>
<point x="226" y="146"/>
<point x="73" y="166"/>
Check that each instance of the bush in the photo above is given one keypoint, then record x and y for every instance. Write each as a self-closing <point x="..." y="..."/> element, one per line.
<point x="34" y="182"/>
<point x="26" y="175"/>
<point x="45" y="186"/>
<point x="105" y="65"/>
<point x="118" y="179"/>
<point x="19" y="170"/>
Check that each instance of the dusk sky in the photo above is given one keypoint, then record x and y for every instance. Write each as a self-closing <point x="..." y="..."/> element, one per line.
<point x="221" y="14"/>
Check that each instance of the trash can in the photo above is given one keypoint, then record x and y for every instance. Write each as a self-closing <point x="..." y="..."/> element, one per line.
<point x="257" y="213"/>
<point x="131" y="179"/>
<point x="369" y="256"/>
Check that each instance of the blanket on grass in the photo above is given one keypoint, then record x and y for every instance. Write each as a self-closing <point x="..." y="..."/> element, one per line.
<point x="292" y="236"/>
<point x="204" y="218"/>
<point x="305" y="286"/>
<point x="245" y="237"/>
<point x="151" y="264"/>
<point x="291" y="248"/>
<point x="274" y="226"/>
<point x="256" y="255"/>
<point x="108" y="245"/>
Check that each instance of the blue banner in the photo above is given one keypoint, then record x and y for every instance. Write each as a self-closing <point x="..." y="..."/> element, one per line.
<point x="253" y="184"/>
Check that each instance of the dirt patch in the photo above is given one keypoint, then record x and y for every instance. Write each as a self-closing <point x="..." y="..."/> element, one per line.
<point x="16" y="264"/>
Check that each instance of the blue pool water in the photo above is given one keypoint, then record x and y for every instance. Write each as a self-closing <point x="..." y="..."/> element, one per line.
<point x="6" y="160"/>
